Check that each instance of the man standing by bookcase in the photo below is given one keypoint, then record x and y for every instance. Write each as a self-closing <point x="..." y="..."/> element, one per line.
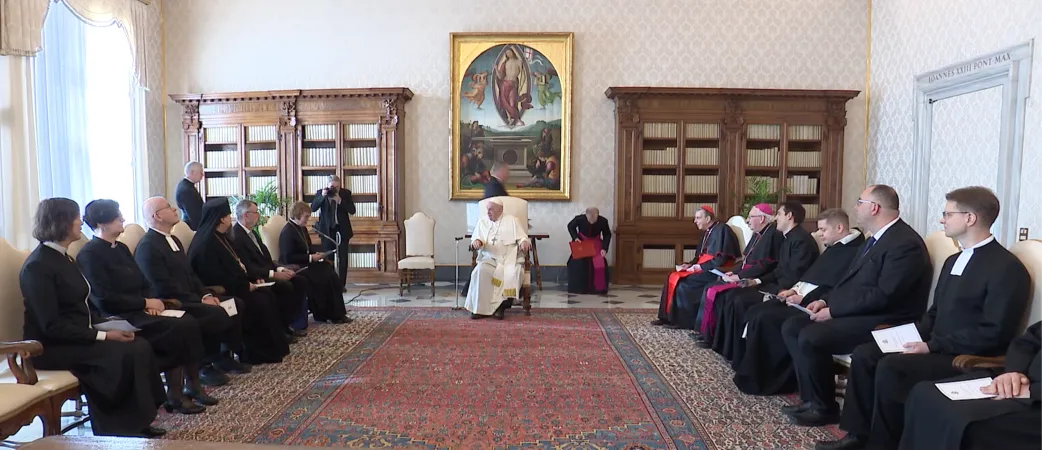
<point x="335" y="207"/>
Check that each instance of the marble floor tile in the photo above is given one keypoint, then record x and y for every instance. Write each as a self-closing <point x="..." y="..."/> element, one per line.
<point x="552" y="295"/>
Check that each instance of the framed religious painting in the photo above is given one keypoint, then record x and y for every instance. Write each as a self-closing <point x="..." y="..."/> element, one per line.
<point x="511" y="109"/>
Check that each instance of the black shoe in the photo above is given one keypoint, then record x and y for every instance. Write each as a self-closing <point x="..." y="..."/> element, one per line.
<point x="153" y="432"/>
<point x="230" y="365"/>
<point x="659" y="322"/>
<point x="815" y="418"/>
<point x="200" y="397"/>
<point x="300" y="333"/>
<point x="703" y="344"/>
<point x="478" y="316"/>
<point x="797" y="408"/>
<point x="696" y="335"/>
<point x="344" y="319"/>
<point x="184" y="407"/>
<point x="291" y="339"/>
<point x="849" y="442"/>
<point x="211" y="376"/>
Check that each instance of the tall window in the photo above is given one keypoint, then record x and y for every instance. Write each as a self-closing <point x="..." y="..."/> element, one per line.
<point x="88" y="113"/>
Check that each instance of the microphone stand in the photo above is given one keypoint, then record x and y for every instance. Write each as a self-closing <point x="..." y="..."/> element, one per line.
<point x="336" y="250"/>
<point x="456" y="287"/>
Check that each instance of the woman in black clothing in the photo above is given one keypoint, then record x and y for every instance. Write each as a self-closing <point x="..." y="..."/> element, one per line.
<point x="118" y="288"/>
<point x="116" y="370"/>
<point x="214" y="260"/>
<point x="325" y="298"/>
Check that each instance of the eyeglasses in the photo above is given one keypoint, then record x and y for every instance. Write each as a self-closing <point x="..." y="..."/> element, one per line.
<point x="948" y="214"/>
<point x="759" y="215"/>
<point x="860" y="202"/>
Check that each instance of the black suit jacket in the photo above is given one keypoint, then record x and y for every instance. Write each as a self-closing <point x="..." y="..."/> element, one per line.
<point x="168" y="272"/>
<point x="117" y="285"/>
<point x="494" y="188"/>
<point x="890" y="283"/>
<point x="190" y="202"/>
<point x="294" y="246"/>
<point x="56" y="308"/>
<point x="257" y="260"/>
<point x="327" y="211"/>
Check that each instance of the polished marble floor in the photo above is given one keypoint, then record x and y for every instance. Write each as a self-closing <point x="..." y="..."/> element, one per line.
<point x="552" y="295"/>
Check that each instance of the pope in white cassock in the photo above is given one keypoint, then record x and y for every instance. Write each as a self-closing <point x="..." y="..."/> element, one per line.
<point x="501" y="243"/>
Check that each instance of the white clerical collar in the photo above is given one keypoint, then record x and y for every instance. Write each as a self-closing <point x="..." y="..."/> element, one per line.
<point x="849" y="238"/>
<point x="57" y="247"/>
<point x="879" y="234"/>
<point x="966" y="255"/>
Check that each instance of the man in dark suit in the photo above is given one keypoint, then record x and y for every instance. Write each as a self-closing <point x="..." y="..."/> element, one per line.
<point x="495" y="187"/>
<point x="188" y="199"/>
<point x="887" y="283"/>
<point x="163" y="259"/>
<point x="291" y="290"/>
<point x="335" y="207"/>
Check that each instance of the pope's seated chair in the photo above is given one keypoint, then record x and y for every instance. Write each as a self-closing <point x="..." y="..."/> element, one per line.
<point x="518" y="208"/>
<point x="419" y="251"/>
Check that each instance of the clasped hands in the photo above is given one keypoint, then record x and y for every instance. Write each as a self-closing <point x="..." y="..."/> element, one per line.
<point x="524" y="246"/>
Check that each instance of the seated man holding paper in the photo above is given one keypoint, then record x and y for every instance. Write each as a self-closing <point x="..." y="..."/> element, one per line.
<point x="501" y="243"/>
<point x="1005" y="415"/>
<point x="763" y="365"/>
<point x="888" y="282"/>
<point x="116" y="369"/>
<point x="781" y="247"/>
<point x="981" y="295"/>
<point x="163" y="260"/>
<point x="682" y="294"/>
<point x="117" y="288"/>
<point x="325" y="293"/>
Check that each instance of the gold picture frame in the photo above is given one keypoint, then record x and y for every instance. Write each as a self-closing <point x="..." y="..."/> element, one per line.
<point x="511" y="97"/>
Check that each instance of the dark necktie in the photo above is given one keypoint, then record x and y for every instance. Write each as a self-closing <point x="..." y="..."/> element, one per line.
<point x="868" y="245"/>
<point x="254" y="238"/>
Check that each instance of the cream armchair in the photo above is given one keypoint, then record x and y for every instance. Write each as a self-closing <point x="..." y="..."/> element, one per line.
<point x="419" y="251"/>
<point x="183" y="233"/>
<point x="25" y="393"/>
<point x="518" y="208"/>
<point x="741" y="230"/>
<point x="131" y="236"/>
<point x="269" y="233"/>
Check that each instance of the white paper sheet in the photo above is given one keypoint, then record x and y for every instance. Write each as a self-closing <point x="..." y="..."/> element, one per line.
<point x="965" y="390"/>
<point x="682" y="269"/>
<point x="718" y="273"/>
<point x="892" y="340"/>
<point x="116" y="325"/>
<point x="264" y="285"/>
<point x="172" y="313"/>
<point x="800" y="307"/>
<point x="229" y="307"/>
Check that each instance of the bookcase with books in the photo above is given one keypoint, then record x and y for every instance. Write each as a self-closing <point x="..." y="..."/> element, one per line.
<point x="293" y="141"/>
<point x="679" y="149"/>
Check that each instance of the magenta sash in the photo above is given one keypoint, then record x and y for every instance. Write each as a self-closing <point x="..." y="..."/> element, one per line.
<point x="600" y="284"/>
<point x="708" y="325"/>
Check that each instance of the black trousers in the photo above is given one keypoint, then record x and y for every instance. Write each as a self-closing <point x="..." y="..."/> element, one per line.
<point x="292" y="296"/>
<point x="220" y="333"/>
<point x="344" y="252"/>
<point x="176" y="341"/>
<point x="812" y="344"/>
<point x="878" y="387"/>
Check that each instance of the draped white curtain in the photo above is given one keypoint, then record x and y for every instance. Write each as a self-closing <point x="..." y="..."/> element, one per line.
<point x="18" y="181"/>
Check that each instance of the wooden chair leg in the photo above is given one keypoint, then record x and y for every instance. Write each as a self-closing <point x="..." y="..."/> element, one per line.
<point x="432" y="283"/>
<point x="526" y="300"/>
<point x="401" y="281"/>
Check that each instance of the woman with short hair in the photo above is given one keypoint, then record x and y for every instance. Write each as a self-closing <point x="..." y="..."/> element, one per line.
<point x="325" y="297"/>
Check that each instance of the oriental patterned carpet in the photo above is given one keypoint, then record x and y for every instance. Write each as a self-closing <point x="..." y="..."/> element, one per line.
<point x="431" y="378"/>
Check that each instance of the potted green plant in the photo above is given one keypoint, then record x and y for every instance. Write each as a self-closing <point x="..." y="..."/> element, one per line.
<point x="759" y="191"/>
<point x="268" y="202"/>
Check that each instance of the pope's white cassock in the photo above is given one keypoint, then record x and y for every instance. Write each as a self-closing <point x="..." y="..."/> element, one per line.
<point x="497" y="275"/>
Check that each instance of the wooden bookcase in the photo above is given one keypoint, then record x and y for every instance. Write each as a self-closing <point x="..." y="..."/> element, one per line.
<point x="680" y="148"/>
<point x="297" y="138"/>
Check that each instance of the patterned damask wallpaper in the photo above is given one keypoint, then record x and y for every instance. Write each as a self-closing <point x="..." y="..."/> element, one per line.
<point x="910" y="37"/>
<point x="243" y="45"/>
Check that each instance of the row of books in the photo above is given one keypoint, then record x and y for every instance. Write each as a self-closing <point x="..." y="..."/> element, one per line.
<point x="361" y="131"/>
<point x="254" y="184"/>
<point x="701" y="156"/>
<point x="261" y="133"/>
<point x="661" y="157"/>
<point x="772" y="184"/>
<point x="314" y="132"/>
<point x="362" y="156"/>
<point x="660" y="131"/>
<point x="803" y="185"/>
<point x="701" y="184"/>
<point x="364" y="260"/>
<point x="765" y="157"/>
<point x="804" y="159"/>
<point x="319" y="157"/>
<point x="702" y="131"/>
<point x="222" y="186"/>
<point x="367" y="209"/>
<point x="221" y="135"/>
<point x="805" y="133"/>
<point x="358" y="184"/>
<point x="690" y="208"/>
<point x="659" y="258"/>
<point x="658" y="209"/>
<point x="222" y="159"/>
<point x="768" y="132"/>
<point x="659" y="184"/>
<point x="812" y="209"/>
<point x="267" y="157"/>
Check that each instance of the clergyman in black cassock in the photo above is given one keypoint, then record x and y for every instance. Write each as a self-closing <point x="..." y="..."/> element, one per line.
<point x="119" y="289"/>
<point x="934" y="421"/>
<point x="798" y="252"/>
<point x="163" y="260"/>
<point x="120" y="377"/>
<point x="759" y="258"/>
<point x="584" y="277"/>
<point x="763" y="365"/>
<point x="215" y="262"/>
<point x="888" y="283"/>
<point x="187" y="196"/>
<point x="325" y="299"/>
<point x="680" y="301"/>
<point x="292" y="293"/>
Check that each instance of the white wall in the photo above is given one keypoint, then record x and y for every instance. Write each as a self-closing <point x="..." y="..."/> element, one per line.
<point x="910" y="37"/>
<point x="242" y="45"/>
